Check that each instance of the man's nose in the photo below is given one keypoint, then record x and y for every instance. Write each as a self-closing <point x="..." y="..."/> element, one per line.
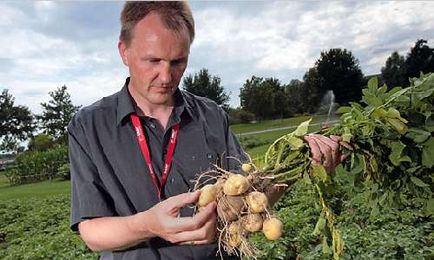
<point x="165" y="73"/>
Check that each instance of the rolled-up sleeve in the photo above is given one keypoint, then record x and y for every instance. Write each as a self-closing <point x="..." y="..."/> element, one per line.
<point x="89" y="198"/>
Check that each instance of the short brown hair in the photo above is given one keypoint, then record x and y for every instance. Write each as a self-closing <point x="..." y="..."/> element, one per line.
<point x="176" y="15"/>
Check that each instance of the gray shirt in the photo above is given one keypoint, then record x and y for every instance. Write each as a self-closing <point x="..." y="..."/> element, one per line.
<point x="109" y="175"/>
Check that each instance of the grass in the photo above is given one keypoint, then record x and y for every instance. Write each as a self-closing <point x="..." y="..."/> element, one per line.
<point x="34" y="190"/>
<point x="257" y="153"/>
<point x="268" y="124"/>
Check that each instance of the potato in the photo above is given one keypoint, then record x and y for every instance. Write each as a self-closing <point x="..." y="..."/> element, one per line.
<point x="236" y="184"/>
<point x="246" y="167"/>
<point x="229" y="207"/>
<point x="208" y="194"/>
<point x="272" y="228"/>
<point x="234" y="231"/>
<point x="257" y="201"/>
<point x="252" y="222"/>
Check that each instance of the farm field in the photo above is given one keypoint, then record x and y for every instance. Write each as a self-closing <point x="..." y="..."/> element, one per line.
<point x="34" y="218"/>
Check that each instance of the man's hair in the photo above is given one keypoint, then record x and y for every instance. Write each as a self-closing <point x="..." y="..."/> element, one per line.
<point x="175" y="15"/>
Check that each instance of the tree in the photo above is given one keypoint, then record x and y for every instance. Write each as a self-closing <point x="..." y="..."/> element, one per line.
<point x="394" y="72"/>
<point x="311" y="90"/>
<point x="41" y="142"/>
<point x="339" y="70"/>
<point x="57" y="113"/>
<point x="419" y="59"/>
<point x="296" y="98"/>
<point x="16" y="123"/>
<point x="264" y="97"/>
<point x="205" y="85"/>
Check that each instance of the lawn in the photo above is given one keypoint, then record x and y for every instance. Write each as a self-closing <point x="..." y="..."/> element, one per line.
<point x="33" y="190"/>
<point x="277" y="123"/>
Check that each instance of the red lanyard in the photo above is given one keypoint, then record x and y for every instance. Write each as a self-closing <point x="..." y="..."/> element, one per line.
<point x="145" y="151"/>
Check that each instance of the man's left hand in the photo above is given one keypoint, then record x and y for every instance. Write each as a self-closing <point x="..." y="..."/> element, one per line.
<point x="326" y="150"/>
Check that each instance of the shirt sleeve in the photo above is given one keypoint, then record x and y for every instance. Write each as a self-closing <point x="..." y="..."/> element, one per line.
<point x="89" y="198"/>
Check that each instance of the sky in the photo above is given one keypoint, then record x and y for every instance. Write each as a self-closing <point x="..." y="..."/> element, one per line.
<point x="45" y="45"/>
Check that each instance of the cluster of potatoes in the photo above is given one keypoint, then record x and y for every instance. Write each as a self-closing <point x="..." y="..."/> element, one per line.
<point x="240" y="207"/>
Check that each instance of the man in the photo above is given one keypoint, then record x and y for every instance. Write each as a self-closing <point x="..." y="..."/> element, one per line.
<point x="133" y="154"/>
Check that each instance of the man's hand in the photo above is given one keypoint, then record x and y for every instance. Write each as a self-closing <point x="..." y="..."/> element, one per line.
<point x="326" y="151"/>
<point x="163" y="220"/>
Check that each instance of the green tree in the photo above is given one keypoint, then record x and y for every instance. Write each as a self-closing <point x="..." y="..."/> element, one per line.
<point x="264" y="97"/>
<point x="296" y="99"/>
<point x="419" y="59"/>
<point x="205" y="85"/>
<point x="311" y="91"/>
<point x="57" y="113"/>
<point x="16" y="123"/>
<point x="394" y="72"/>
<point x="339" y="71"/>
<point x="41" y="142"/>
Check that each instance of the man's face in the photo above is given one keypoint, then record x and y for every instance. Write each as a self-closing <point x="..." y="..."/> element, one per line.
<point x="157" y="57"/>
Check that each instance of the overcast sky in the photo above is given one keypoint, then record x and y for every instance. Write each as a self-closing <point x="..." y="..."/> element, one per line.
<point x="44" y="45"/>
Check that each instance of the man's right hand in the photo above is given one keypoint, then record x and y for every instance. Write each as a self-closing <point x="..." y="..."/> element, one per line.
<point x="163" y="220"/>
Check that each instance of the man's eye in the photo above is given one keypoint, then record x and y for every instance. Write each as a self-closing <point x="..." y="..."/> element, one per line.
<point x="178" y="62"/>
<point x="154" y="60"/>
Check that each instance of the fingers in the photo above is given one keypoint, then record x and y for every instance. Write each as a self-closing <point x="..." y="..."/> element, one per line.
<point x="314" y="148"/>
<point x="202" y="235"/>
<point x="338" y="139"/>
<point x="181" y="200"/>
<point x="195" y="222"/>
<point x="325" y="150"/>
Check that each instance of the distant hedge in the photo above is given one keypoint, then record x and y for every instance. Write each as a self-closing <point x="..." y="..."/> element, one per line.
<point x="34" y="166"/>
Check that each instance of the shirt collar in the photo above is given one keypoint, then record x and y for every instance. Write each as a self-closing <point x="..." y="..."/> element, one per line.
<point x="125" y="105"/>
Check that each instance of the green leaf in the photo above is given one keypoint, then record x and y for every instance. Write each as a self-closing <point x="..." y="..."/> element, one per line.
<point x="430" y="206"/>
<point x="343" y="110"/>
<point x="418" y="182"/>
<point x="302" y="128"/>
<point x="295" y="142"/>
<point x="418" y="135"/>
<point x="319" y="227"/>
<point x="319" y="171"/>
<point x="428" y="153"/>
<point x="395" y="156"/>
<point x="373" y="83"/>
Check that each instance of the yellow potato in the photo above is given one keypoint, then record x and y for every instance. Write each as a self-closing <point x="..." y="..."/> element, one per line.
<point x="234" y="232"/>
<point x="229" y="207"/>
<point x="257" y="201"/>
<point x="252" y="222"/>
<point x="236" y="184"/>
<point x="272" y="228"/>
<point x="246" y="167"/>
<point x="208" y="194"/>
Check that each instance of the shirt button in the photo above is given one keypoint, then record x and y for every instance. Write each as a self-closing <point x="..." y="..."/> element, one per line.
<point x="152" y="125"/>
<point x="172" y="180"/>
<point x="209" y="156"/>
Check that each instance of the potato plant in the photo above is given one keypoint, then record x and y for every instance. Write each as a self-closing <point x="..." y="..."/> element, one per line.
<point x="392" y="154"/>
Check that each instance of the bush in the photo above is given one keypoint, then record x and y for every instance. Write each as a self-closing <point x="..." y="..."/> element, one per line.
<point x="240" y="116"/>
<point x="33" y="166"/>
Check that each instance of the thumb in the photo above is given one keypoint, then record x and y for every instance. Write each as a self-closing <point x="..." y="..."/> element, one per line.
<point x="183" y="199"/>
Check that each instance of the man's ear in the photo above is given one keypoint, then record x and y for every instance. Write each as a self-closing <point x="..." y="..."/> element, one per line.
<point x="123" y="52"/>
